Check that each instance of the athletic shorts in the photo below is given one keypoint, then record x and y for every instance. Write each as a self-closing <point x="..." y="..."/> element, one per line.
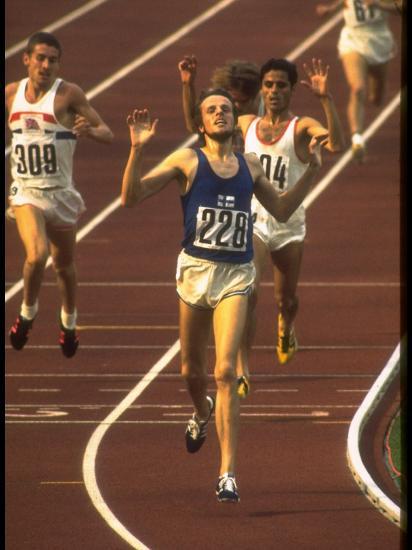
<point x="373" y="42"/>
<point x="60" y="207"/>
<point x="203" y="283"/>
<point x="274" y="234"/>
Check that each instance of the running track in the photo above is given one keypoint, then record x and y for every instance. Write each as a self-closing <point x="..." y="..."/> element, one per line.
<point x="296" y="489"/>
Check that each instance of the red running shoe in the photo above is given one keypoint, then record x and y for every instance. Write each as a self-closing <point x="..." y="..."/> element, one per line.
<point x="68" y="340"/>
<point x="19" y="332"/>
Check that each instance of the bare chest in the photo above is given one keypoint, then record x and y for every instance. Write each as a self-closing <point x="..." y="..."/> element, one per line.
<point x="269" y="133"/>
<point x="225" y="169"/>
<point x="60" y="106"/>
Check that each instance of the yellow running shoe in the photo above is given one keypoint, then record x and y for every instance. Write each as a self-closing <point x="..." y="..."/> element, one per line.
<point x="243" y="387"/>
<point x="287" y="343"/>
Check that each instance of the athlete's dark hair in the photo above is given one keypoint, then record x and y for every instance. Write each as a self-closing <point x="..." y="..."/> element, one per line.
<point x="239" y="75"/>
<point x="197" y="115"/>
<point x="43" y="38"/>
<point x="280" y="65"/>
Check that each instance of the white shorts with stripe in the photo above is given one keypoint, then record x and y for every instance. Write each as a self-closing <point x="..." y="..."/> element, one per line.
<point x="203" y="283"/>
<point x="274" y="234"/>
<point x="60" y="206"/>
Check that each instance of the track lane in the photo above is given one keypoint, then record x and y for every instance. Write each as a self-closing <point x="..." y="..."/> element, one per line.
<point x="107" y="241"/>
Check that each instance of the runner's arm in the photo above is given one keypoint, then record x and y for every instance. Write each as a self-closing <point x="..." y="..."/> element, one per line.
<point x="187" y="68"/>
<point x="87" y="122"/>
<point x="134" y="188"/>
<point x="318" y="83"/>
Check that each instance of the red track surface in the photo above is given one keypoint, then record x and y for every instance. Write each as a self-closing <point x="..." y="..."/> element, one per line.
<point x="296" y="489"/>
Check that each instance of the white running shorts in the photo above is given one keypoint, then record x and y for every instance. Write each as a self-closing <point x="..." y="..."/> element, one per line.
<point x="375" y="43"/>
<point x="203" y="283"/>
<point x="61" y="207"/>
<point x="274" y="234"/>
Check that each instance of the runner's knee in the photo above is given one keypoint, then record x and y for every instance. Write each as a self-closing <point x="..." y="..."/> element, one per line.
<point x="63" y="269"/>
<point x="358" y="91"/>
<point x="193" y="371"/>
<point x="37" y="257"/>
<point x="225" y="373"/>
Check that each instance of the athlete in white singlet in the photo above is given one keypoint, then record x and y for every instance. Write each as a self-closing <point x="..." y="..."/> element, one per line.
<point x="365" y="46"/>
<point x="281" y="142"/>
<point x="283" y="168"/>
<point x="42" y="152"/>
<point x="46" y="117"/>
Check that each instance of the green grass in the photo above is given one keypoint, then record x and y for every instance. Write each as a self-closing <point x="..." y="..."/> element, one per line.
<point x="395" y="459"/>
<point x="395" y="442"/>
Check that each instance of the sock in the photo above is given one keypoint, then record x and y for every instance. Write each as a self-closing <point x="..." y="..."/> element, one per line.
<point x="68" y="319"/>
<point x="357" y="139"/>
<point x="226" y="474"/>
<point x="29" y="312"/>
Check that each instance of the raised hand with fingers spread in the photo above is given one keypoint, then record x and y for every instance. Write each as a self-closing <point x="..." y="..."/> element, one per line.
<point x="142" y="129"/>
<point x="317" y="77"/>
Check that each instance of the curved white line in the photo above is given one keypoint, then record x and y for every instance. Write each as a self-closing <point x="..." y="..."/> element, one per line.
<point x="89" y="460"/>
<point x="367" y="485"/>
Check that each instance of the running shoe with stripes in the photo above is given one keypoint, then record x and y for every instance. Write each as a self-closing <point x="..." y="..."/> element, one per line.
<point x="287" y="344"/>
<point x="19" y="332"/>
<point x="68" y="340"/>
<point x="243" y="386"/>
<point x="196" y="430"/>
<point x="226" y="489"/>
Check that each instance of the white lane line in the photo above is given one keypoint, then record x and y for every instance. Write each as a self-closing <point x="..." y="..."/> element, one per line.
<point x="352" y="391"/>
<point x="331" y="422"/>
<point x="75" y="14"/>
<point x="61" y="482"/>
<point x="322" y="375"/>
<point x="159" y="407"/>
<point x="40" y="390"/>
<point x="142" y="422"/>
<point x="134" y="375"/>
<point x="347" y="157"/>
<point x="271" y="406"/>
<point x="264" y="414"/>
<point x="287" y="415"/>
<point x="89" y="460"/>
<point x="315" y="37"/>
<point x="111" y="390"/>
<point x="127" y="284"/>
<point x="275" y="390"/>
<point x="165" y="43"/>
<point x="167" y="346"/>
<point x="38" y="414"/>
<point x="331" y="347"/>
<point x="106" y="516"/>
<point x="127" y="327"/>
